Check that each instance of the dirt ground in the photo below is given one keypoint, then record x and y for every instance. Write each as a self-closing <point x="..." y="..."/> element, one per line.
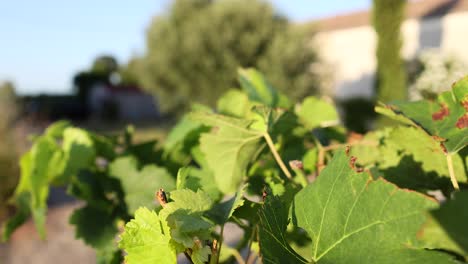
<point x="60" y="246"/>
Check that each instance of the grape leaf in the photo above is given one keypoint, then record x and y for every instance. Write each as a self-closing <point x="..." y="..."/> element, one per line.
<point x="34" y="179"/>
<point x="234" y="103"/>
<point x="259" y="90"/>
<point x="221" y="212"/>
<point x="445" y="119"/>
<point x="140" y="185"/>
<point x="193" y="202"/>
<point x="97" y="189"/>
<point x="408" y="157"/>
<point x="56" y="129"/>
<point x="314" y="113"/>
<point x="95" y="226"/>
<point x="200" y="255"/>
<point x="184" y="216"/>
<point x="272" y="228"/>
<point x="146" y="239"/>
<point x="23" y="212"/>
<point x="77" y="153"/>
<point x="353" y="219"/>
<point x="229" y="148"/>
<point x="179" y="133"/>
<point x="447" y="226"/>
<point x="194" y="179"/>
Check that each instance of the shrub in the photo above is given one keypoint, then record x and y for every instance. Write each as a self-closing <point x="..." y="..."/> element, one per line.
<point x="280" y="172"/>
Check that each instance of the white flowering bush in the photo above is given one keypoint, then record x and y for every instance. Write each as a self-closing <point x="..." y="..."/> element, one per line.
<point x="434" y="72"/>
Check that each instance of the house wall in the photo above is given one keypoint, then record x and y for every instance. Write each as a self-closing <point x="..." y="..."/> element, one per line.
<point x="350" y="53"/>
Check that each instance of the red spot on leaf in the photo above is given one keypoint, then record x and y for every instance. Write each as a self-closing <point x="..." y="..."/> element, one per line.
<point x="444" y="149"/>
<point x="352" y="164"/>
<point x="443" y="112"/>
<point x="464" y="103"/>
<point x="347" y="150"/>
<point x="439" y="139"/>
<point x="462" y="122"/>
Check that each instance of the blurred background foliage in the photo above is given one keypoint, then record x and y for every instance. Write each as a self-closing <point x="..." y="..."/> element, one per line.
<point x="194" y="50"/>
<point x="391" y="75"/>
<point x="433" y="72"/>
<point x="8" y="152"/>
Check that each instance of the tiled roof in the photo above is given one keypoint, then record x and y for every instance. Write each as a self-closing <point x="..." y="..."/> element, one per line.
<point x="415" y="9"/>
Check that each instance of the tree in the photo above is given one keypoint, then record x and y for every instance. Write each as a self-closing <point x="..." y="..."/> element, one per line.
<point x="391" y="76"/>
<point x="104" y="65"/>
<point x="8" y="146"/>
<point x="194" y="50"/>
<point x="99" y="73"/>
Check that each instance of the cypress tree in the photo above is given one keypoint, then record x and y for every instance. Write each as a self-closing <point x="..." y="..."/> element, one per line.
<point x="388" y="16"/>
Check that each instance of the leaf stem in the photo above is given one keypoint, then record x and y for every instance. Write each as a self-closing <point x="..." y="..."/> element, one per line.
<point x="220" y="244"/>
<point x="237" y="256"/>
<point x="277" y="156"/>
<point x="451" y="171"/>
<point x="360" y="143"/>
<point x="249" y="248"/>
<point x="187" y="255"/>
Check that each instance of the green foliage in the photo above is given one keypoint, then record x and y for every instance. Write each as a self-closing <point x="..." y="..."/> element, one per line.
<point x="241" y="164"/>
<point x="316" y="113"/>
<point x="146" y="239"/>
<point x="446" y="231"/>
<point x="272" y="233"/>
<point x="140" y="185"/>
<point x="445" y="119"/>
<point x="387" y="18"/>
<point x="229" y="148"/>
<point x="194" y="50"/>
<point x="350" y="209"/>
<point x="9" y="150"/>
<point x="104" y="65"/>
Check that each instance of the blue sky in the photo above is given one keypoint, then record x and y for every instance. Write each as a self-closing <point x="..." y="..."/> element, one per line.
<point x="44" y="43"/>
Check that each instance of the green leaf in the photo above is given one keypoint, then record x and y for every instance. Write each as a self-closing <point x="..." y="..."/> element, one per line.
<point x="97" y="189"/>
<point x="229" y="148"/>
<point x="146" y="240"/>
<point x="221" y="212"/>
<point x="445" y="119"/>
<point x="410" y="141"/>
<point x="314" y="113"/>
<point x="56" y="129"/>
<point x="193" y="202"/>
<point x="353" y="219"/>
<point x="95" y="226"/>
<point x="184" y="215"/>
<point x="78" y="153"/>
<point x="109" y="255"/>
<point x="23" y="212"/>
<point x="202" y="177"/>
<point x="310" y="160"/>
<point x="447" y="226"/>
<point x="194" y="179"/>
<point x="234" y="103"/>
<point x="274" y="247"/>
<point x="200" y="255"/>
<point x="140" y="185"/>
<point x="259" y="90"/>
<point x="179" y="133"/>
<point x="35" y="174"/>
<point x="409" y="158"/>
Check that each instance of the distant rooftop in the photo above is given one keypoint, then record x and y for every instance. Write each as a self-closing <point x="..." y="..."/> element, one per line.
<point x="415" y="9"/>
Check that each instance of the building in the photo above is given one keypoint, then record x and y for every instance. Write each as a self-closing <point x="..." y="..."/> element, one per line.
<point x="347" y="43"/>
<point x="124" y="102"/>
